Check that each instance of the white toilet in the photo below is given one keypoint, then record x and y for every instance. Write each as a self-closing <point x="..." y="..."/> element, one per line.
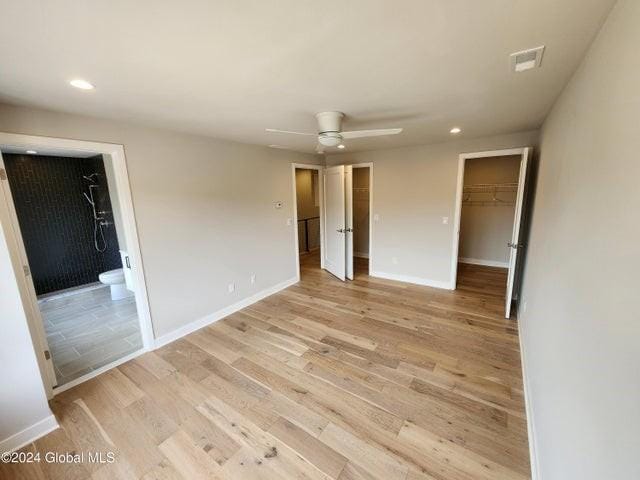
<point x="115" y="280"/>
<point x="119" y="280"/>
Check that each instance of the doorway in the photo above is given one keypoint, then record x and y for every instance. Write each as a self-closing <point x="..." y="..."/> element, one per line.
<point x="361" y="221"/>
<point x="487" y="240"/>
<point x="67" y="208"/>
<point x="347" y="207"/>
<point x="308" y="208"/>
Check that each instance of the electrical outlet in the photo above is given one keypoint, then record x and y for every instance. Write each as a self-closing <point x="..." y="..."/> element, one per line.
<point x="253" y="278"/>
<point x="232" y="287"/>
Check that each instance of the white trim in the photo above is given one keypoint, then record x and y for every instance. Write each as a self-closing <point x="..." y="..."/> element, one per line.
<point x="458" y="204"/>
<point x="528" y="407"/>
<point x="486" y="263"/>
<point x="426" y="282"/>
<point x="222" y="313"/>
<point x="123" y="190"/>
<point x="320" y="169"/>
<point x="29" y="434"/>
<point x="99" y="371"/>
<point x="361" y="254"/>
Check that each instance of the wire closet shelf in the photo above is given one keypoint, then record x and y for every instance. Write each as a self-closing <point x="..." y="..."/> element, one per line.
<point x="490" y="194"/>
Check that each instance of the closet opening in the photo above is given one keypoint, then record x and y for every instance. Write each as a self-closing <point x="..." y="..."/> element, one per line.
<point x="361" y="200"/>
<point x="487" y="241"/>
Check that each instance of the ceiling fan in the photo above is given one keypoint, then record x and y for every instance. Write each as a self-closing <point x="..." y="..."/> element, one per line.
<point x="330" y="132"/>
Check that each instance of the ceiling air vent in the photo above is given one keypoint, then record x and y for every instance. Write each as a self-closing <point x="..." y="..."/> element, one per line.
<point x="526" y="59"/>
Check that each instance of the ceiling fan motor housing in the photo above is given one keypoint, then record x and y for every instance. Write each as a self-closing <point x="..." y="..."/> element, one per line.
<point x="329" y="122"/>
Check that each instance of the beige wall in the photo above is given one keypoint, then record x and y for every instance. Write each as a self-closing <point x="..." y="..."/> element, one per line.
<point x="204" y="209"/>
<point x="307" y="195"/>
<point x="361" y="211"/>
<point x="413" y="189"/>
<point x="581" y="326"/>
<point x="486" y="226"/>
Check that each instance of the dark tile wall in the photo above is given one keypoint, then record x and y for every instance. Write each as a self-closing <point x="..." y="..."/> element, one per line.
<point x="56" y="221"/>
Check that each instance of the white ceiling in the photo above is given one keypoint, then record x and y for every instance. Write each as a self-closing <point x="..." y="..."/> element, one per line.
<point x="231" y="68"/>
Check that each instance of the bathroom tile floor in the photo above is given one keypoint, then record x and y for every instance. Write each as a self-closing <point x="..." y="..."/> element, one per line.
<point x="87" y="330"/>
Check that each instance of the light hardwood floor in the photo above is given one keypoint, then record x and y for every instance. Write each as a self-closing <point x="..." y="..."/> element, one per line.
<point x="370" y="379"/>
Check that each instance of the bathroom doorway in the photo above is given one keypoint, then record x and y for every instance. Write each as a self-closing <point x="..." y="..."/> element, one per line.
<point x="73" y="241"/>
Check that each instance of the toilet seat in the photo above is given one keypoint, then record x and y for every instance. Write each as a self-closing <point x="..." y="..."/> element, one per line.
<point x="112" y="277"/>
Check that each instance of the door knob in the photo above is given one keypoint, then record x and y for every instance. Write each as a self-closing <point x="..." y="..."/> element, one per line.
<point x="340" y="230"/>
<point x="348" y="229"/>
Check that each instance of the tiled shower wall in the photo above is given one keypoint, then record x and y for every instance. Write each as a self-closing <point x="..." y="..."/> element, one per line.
<point x="56" y="221"/>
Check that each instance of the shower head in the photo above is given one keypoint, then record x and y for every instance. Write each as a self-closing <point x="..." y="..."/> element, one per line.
<point x="90" y="177"/>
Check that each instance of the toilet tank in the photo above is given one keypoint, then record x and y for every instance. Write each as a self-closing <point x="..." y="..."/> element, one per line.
<point x="126" y="268"/>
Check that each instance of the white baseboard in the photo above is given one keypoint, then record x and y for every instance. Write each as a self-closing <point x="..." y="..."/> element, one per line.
<point x="220" y="314"/>
<point x="415" y="280"/>
<point x="29" y="434"/>
<point x="528" y="407"/>
<point x="486" y="263"/>
<point x="361" y="254"/>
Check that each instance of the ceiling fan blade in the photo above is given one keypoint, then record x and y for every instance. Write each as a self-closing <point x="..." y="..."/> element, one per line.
<point x="370" y="133"/>
<point x="273" y="130"/>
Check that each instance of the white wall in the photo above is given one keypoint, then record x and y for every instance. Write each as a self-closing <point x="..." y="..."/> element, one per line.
<point x="23" y="402"/>
<point x="413" y="188"/>
<point x="581" y="327"/>
<point x="486" y="226"/>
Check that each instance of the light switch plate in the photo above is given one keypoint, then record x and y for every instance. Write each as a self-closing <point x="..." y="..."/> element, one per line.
<point x="445" y="220"/>
<point x="376" y="217"/>
<point x="232" y="287"/>
<point x="289" y="222"/>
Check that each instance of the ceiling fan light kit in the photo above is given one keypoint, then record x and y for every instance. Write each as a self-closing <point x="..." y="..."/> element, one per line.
<point x="330" y="132"/>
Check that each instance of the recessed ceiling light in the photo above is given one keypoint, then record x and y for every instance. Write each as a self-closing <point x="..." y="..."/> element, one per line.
<point x="81" y="84"/>
<point x="455" y="130"/>
<point x="31" y="152"/>
<point x="341" y="146"/>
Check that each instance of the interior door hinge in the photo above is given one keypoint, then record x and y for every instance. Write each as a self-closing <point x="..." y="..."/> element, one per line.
<point x="27" y="270"/>
<point x="3" y="174"/>
<point x="47" y="355"/>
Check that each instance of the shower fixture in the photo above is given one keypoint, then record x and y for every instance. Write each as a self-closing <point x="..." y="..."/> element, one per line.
<point x="90" y="177"/>
<point x="98" y="222"/>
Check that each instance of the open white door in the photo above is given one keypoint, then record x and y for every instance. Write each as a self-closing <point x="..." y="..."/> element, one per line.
<point x="515" y="245"/>
<point x="348" y="186"/>
<point x="334" y="218"/>
<point x="26" y="287"/>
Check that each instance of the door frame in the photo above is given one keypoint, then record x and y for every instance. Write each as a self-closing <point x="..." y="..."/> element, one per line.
<point x="522" y="151"/>
<point x="15" y="245"/>
<point x="320" y="170"/>
<point x="369" y="165"/>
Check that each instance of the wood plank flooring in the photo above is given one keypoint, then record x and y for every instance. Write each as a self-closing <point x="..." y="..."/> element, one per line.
<point x="370" y="379"/>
